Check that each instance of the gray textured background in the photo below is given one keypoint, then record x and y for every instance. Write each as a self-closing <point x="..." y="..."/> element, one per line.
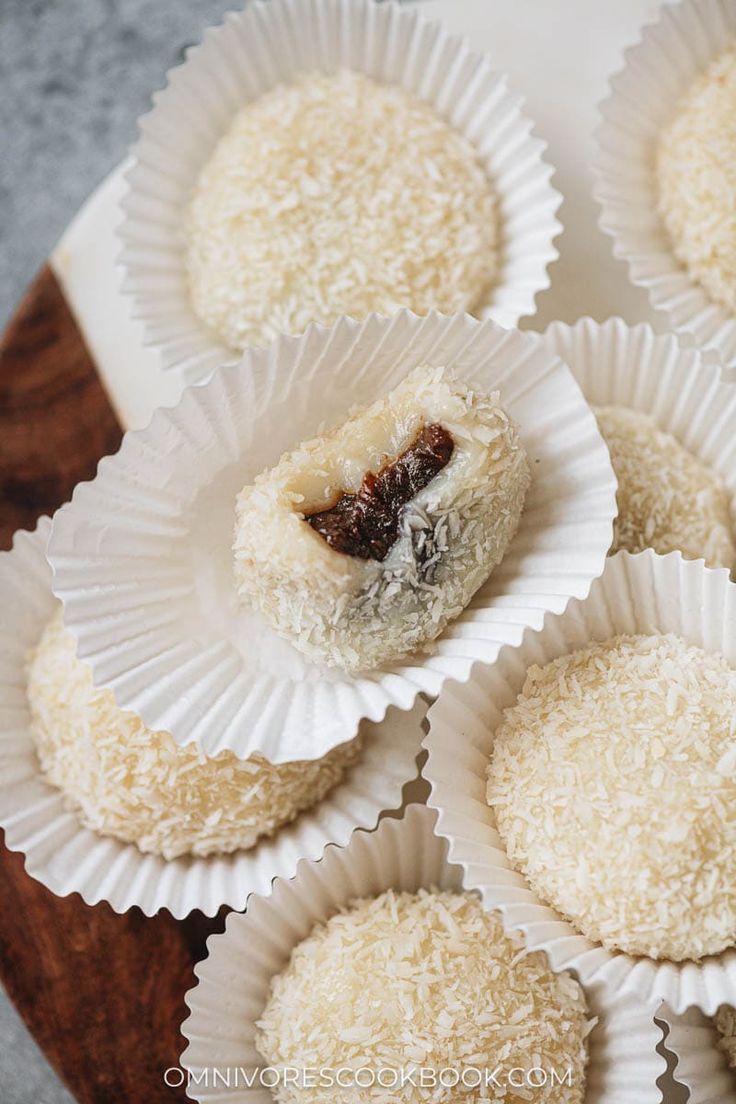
<point x="74" y="76"/>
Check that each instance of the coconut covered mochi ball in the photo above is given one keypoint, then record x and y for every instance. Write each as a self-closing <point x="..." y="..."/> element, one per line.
<point x="337" y="195"/>
<point x="667" y="499"/>
<point x="427" y="981"/>
<point x="126" y="781"/>
<point x="613" y="784"/>
<point x="696" y="176"/>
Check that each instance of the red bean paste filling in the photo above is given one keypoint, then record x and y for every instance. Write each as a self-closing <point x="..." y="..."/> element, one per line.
<point x="366" y="524"/>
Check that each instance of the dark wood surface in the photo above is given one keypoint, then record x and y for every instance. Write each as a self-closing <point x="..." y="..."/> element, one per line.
<point x="102" y="994"/>
<point x="55" y="419"/>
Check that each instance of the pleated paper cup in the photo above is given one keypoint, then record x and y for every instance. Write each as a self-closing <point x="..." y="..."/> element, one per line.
<point x="620" y="365"/>
<point x="234" y="980"/>
<point x="270" y="43"/>
<point x="68" y="858"/>
<point x="642" y="593"/>
<point x="700" y="1067"/>
<point x="658" y="70"/>
<point x="142" y="556"/>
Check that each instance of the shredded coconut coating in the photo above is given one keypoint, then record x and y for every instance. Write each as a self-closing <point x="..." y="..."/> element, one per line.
<point x="613" y="784"/>
<point x="667" y="499"/>
<point x="725" y="1021"/>
<point x="696" y="173"/>
<point x="336" y="195"/>
<point x="357" y="614"/>
<point x="126" y="781"/>
<point x="428" y="980"/>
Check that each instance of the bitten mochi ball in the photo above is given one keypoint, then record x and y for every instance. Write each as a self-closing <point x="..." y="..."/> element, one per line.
<point x="361" y="545"/>
<point x="667" y="499"/>
<point x="337" y="195"/>
<point x="696" y="173"/>
<point x="427" y="981"/>
<point x="126" y="781"/>
<point x="613" y="784"/>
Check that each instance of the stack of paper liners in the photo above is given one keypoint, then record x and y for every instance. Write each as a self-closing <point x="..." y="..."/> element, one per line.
<point x="356" y="612"/>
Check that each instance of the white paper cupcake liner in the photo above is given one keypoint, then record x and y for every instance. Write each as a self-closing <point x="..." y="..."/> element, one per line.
<point x="267" y="44"/>
<point x="233" y="981"/>
<point x="699" y="1065"/>
<point x="644" y="593"/>
<point x="622" y="365"/>
<point x="142" y="556"/>
<point x="658" y="70"/>
<point x="68" y="858"/>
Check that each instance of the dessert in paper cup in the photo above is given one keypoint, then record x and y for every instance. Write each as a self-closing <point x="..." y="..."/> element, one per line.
<point x="313" y="158"/>
<point x="664" y="169"/>
<point x="584" y="782"/>
<point x="701" y="1059"/>
<point x="412" y="490"/>
<point x="101" y="806"/>
<point x="376" y="963"/>
<point x="668" y="420"/>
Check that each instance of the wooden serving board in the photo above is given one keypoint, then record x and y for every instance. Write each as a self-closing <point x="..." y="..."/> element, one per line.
<point x="102" y="994"/>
